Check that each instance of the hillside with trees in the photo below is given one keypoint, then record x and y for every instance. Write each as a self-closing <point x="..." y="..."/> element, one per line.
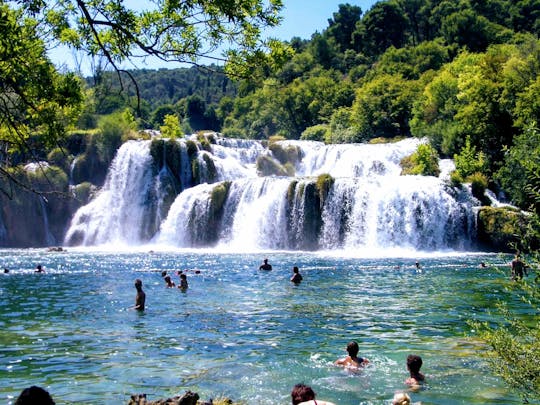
<point x="464" y="74"/>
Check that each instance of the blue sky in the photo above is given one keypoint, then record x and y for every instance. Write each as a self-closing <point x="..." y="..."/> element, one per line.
<point x="301" y="18"/>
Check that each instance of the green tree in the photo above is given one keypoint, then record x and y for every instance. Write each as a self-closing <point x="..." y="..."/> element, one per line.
<point x="34" y="97"/>
<point x="171" y="127"/>
<point x="343" y="24"/>
<point x="170" y="31"/>
<point x="384" y="25"/>
<point x="521" y="164"/>
<point x="382" y="107"/>
<point x="469" y="160"/>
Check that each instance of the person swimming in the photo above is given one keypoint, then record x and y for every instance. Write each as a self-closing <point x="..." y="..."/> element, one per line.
<point x="352" y="360"/>
<point x="265" y="265"/>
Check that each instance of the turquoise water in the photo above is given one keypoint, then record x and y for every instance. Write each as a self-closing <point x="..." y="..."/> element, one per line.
<point x="244" y="333"/>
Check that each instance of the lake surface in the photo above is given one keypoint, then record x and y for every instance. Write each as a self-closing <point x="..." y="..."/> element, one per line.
<point x="244" y="333"/>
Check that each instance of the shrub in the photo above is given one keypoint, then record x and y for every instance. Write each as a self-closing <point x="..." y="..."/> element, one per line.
<point x="469" y="161"/>
<point x="58" y="157"/>
<point x="315" y="133"/>
<point x="479" y="184"/>
<point x="424" y="162"/>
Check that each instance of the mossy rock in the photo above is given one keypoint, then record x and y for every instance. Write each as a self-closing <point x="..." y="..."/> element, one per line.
<point x="156" y="151"/>
<point x="382" y="140"/>
<point x="268" y="166"/>
<point x="291" y="192"/>
<point x="83" y="192"/>
<point x="51" y="178"/>
<point x="286" y="154"/>
<point x="501" y="229"/>
<point x="218" y="197"/>
<point x="192" y="149"/>
<point x="173" y="157"/>
<point x="210" y="168"/>
<point x="59" y="157"/>
<point x="89" y="167"/>
<point x="324" y="184"/>
<point x="205" y="144"/>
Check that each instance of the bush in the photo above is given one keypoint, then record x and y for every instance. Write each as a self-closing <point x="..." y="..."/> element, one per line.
<point x="479" y="184"/>
<point x="455" y="178"/>
<point x="315" y="133"/>
<point x="514" y="341"/>
<point x="424" y="162"/>
<point x="469" y="161"/>
<point x="171" y="127"/>
<point x="58" y="157"/>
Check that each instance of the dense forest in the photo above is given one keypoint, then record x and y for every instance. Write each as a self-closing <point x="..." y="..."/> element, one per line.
<point x="464" y="74"/>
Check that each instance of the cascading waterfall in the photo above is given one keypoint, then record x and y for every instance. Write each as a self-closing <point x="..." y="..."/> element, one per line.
<point x="117" y="213"/>
<point x="342" y="197"/>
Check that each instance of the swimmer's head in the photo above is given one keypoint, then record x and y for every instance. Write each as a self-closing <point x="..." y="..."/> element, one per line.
<point x="401" y="398"/>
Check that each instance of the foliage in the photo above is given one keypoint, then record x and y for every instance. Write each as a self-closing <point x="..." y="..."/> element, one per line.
<point x="469" y="161"/>
<point x="167" y="31"/>
<point x="514" y="340"/>
<point x="382" y="107"/>
<point x="521" y="168"/>
<point x="479" y="184"/>
<point x="424" y="162"/>
<point x="113" y="130"/>
<point x="315" y="133"/>
<point x="34" y="98"/>
<point x="171" y="127"/>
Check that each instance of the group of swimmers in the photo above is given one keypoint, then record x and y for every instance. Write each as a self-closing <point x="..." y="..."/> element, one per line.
<point x="304" y="395"/>
<point x="183" y="280"/>
<point x="301" y="394"/>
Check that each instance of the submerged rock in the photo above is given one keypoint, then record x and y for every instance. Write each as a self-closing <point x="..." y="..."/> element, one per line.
<point x="189" y="398"/>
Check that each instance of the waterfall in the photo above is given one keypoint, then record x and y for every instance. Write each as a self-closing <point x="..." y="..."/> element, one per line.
<point x="49" y="238"/>
<point x="117" y="213"/>
<point x="222" y="201"/>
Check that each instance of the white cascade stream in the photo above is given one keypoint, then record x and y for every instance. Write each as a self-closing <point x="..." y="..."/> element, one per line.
<point x="368" y="206"/>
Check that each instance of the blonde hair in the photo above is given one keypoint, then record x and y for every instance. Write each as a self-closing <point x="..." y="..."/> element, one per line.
<point x="401" y="398"/>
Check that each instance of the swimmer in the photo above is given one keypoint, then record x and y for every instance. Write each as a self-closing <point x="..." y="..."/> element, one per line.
<point x="297" y="277"/>
<point x="352" y="360"/>
<point x="39" y="269"/>
<point x="140" y="298"/>
<point x="302" y="394"/>
<point x="416" y="378"/>
<point x="183" y="282"/>
<point x="265" y="265"/>
<point x="169" y="282"/>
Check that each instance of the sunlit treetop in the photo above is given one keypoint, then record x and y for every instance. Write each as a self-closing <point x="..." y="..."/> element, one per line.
<point x="192" y="31"/>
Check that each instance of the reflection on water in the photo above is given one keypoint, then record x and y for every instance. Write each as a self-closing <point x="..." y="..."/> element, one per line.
<point x="244" y="333"/>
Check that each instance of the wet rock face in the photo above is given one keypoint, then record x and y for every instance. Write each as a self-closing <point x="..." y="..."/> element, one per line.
<point x="501" y="229"/>
<point x="189" y="398"/>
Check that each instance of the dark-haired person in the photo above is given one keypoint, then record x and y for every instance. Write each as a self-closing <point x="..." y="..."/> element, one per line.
<point x="518" y="268"/>
<point x="296" y="277"/>
<point x="302" y="394"/>
<point x="140" y="298"/>
<point x="34" y="396"/>
<point x="352" y="360"/>
<point x="414" y="363"/>
<point x="265" y="265"/>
